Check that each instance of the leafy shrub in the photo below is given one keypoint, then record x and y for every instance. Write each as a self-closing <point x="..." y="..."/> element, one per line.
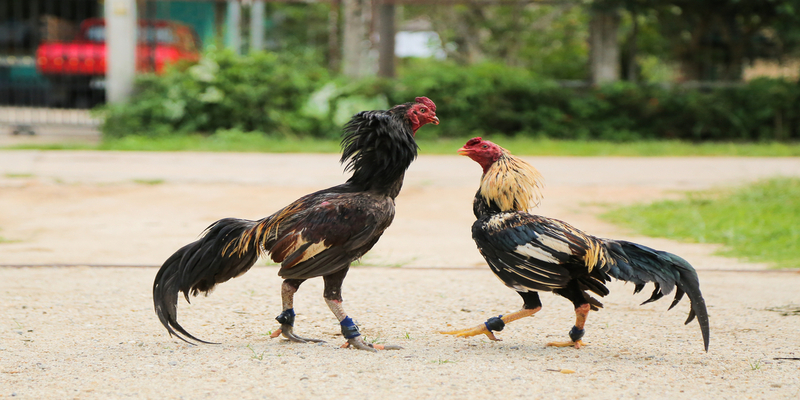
<point x="290" y="95"/>
<point x="263" y="91"/>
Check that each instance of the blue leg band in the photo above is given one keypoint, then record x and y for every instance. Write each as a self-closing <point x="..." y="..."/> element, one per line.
<point x="349" y="328"/>
<point x="576" y="334"/>
<point x="495" y="324"/>
<point x="286" y="317"/>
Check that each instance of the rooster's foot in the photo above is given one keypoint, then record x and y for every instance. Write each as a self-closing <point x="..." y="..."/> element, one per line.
<point x="487" y="328"/>
<point x="577" y="344"/>
<point x="360" y="344"/>
<point x="469" y="332"/>
<point x="288" y="332"/>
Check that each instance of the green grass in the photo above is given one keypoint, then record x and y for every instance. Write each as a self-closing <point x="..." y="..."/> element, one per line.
<point x="148" y="181"/>
<point x="549" y="147"/>
<point x="18" y="175"/>
<point x="759" y="222"/>
<point x="236" y="141"/>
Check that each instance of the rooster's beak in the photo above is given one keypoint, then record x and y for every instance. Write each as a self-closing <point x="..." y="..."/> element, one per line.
<point x="463" y="151"/>
<point x="435" y="120"/>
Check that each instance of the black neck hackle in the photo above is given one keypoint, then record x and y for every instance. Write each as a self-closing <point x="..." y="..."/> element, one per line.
<point x="378" y="147"/>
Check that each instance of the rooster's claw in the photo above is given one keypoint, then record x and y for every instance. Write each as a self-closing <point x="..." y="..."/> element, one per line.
<point x="288" y="332"/>
<point x="359" y="344"/>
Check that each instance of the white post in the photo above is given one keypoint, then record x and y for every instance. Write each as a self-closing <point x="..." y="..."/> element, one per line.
<point x="121" y="34"/>
<point x="257" y="25"/>
<point x="234" y="22"/>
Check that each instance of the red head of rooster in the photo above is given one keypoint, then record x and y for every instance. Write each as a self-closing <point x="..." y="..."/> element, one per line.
<point x="422" y="112"/>
<point x="482" y="151"/>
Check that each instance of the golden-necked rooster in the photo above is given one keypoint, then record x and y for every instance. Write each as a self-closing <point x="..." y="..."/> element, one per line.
<point x="533" y="254"/>
<point x="319" y="234"/>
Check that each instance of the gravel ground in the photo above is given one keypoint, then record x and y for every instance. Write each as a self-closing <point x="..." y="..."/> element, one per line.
<point x="91" y="333"/>
<point x="88" y="332"/>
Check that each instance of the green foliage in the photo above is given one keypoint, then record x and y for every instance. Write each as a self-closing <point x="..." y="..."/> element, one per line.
<point x="263" y="91"/>
<point x="546" y="39"/>
<point x="282" y="95"/>
<point x="760" y="222"/>
<point x="490" y="99"/>
<point x="712" y="39"/>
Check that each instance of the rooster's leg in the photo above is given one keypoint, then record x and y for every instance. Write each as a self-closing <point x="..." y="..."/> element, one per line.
<point x="532" y="305"/>
<point x="333" y="297"/>
<point x="576" y="333"/>
<point x="286" y="318"/>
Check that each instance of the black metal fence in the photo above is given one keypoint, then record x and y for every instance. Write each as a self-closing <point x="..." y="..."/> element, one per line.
<point x="24" y="26"/>
<point x="52" y="54"/>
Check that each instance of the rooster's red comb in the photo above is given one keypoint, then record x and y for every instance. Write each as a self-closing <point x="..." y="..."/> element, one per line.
<point x="426" y="101"/>
<point x="474" y="141"/>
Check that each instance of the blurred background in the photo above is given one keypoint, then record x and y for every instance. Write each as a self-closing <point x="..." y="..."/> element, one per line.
<point x="616" y="70"/>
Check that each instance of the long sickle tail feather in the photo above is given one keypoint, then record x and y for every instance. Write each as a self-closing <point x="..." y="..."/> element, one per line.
<point x="228" y="249"/>
<point x="640" y="264"/>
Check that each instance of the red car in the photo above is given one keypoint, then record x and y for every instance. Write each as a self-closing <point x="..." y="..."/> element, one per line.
<point x="78" y="67"/>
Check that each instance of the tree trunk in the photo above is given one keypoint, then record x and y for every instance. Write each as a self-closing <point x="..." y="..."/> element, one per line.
<point x="233" y="26"/>
<point x="257" y="26"/>
<point x="386" y="30"/>
<point x="603" y="45"/>
<point x="355" y="47"/>
<point x="633" y="65"/>
<point x="334" y="52"/>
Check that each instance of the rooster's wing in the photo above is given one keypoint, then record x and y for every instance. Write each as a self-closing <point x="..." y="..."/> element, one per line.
<point x="533" y="253"/>
<point x="320" y="235"/>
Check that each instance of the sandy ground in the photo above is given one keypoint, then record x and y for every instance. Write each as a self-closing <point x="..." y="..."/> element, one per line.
<point x="84" y="332"/>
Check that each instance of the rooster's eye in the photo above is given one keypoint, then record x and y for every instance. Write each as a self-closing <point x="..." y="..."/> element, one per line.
<point x="485" y="146"/>
<point x="422" y="110"/>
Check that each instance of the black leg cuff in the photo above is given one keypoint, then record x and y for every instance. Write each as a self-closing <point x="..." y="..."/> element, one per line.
<point x="576" y="334"/>
<point x="495" y="324"/>
<point x="286" y="317"/>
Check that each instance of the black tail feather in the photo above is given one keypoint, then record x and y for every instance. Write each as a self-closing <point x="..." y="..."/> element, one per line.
<point x="657" y="294"/>
<point x="678" y="296"/>
<point x="640" y="264"/>
<point x="199" y="266"/>
<point x="638" y="288"/>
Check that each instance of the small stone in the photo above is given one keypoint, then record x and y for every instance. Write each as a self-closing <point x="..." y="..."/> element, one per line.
<point x="173" y="363"/>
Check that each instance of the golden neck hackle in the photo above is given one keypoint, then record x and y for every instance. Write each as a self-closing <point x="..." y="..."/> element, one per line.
<point x="512" y="184"/>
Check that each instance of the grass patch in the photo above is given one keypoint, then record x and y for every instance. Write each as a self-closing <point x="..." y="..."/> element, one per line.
<point x="671" y="148"/>
<point x="18" y="175"/>
<point x="226" y="141"/>
<point x="759" y="222"/>
<point x="237" y="141"/>
<point x="4" y="240"/>
<point x="148" y="181"/>
<point x="51" y="146"/>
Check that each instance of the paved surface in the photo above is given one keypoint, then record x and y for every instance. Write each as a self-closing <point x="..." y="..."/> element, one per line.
<point x="81" y="332"/>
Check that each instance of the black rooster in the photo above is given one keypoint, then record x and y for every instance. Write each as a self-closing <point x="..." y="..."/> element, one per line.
<point x="319" y="234"/>
<point x="532" y="254"/>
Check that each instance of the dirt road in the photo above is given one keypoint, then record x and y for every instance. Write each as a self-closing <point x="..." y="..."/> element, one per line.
<point x="83" y="332"/>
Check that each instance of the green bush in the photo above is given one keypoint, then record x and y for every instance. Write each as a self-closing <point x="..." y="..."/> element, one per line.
<point x="263" y="92"/>
<point x="290" y="95"/>
<point x="483" y="99"/>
